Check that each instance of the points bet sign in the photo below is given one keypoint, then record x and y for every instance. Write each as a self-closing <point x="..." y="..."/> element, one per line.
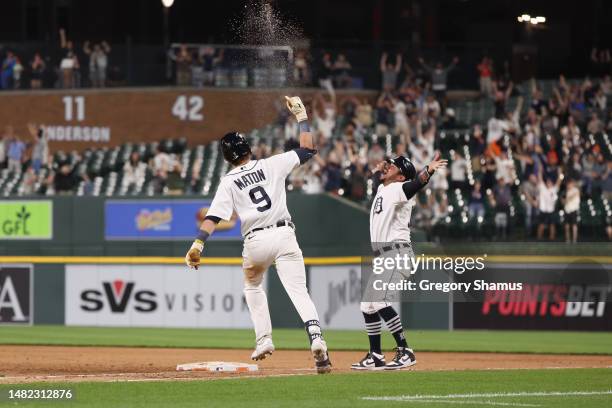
<point x="26" y="219"/>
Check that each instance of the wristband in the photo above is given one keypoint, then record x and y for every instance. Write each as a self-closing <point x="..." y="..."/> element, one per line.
<point x="197" y="244"/>
<point x="304" y="126"/>
<point x="202" y="236"/>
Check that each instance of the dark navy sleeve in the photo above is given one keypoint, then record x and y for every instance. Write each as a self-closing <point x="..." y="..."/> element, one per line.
<point x="304" y="154"/>
<point x="413" y="186"/>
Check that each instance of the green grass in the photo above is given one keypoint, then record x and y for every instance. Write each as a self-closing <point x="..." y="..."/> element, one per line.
<point x="346" y="390"/>
<point x="428" y="340"/>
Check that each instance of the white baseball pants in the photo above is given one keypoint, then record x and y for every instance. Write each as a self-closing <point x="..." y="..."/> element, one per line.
<point x="262" y="249"/>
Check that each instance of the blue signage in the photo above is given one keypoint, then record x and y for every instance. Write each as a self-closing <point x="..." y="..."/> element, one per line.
<point x="162" y="220"/>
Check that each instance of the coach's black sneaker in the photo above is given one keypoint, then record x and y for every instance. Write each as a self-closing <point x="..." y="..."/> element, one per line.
<point x="371" y="361"/>
<point x="404" y="357"/>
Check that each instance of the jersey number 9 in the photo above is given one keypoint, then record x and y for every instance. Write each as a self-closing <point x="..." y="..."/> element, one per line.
<point x="259" y="198"/>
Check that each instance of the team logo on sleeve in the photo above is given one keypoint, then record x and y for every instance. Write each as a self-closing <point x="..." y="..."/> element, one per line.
<point x="378" y="205"/>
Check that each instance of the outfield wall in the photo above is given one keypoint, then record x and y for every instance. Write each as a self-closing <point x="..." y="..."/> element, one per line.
<point x="82" y="118"/>
<point x="161" y="292"/>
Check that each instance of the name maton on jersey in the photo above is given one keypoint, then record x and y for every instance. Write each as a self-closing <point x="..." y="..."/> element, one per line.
<point x="249" y="179"/>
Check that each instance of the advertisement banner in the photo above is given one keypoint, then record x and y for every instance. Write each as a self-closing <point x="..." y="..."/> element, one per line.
<point x="551" y="297"/>
<point x="26" y="219"/>
<point x="16" y="294"/>
<point x="336" y="292"/>
<point x="155" y="296"/>
<point x="162" y="220"/>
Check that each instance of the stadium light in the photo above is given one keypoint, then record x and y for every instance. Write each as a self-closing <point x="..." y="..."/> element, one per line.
<point x="167" y="3"/>
<point x="526" y="18"/>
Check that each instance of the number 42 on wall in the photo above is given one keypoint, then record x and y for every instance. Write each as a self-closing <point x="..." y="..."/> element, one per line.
<point x="188" y="107"/>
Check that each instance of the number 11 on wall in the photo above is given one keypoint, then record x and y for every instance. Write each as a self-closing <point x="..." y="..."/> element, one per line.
<point x="72" y="104"/>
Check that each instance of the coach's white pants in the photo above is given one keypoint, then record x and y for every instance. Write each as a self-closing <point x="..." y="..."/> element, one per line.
<point x="262" y="249"/>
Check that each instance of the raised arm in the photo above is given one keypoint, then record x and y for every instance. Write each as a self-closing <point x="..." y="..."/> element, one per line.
<point x="383" y="62"/>
<point x="86" y="48"/>
<point x="398" y="62"/>
<point x="62" y="34"/>
<point x="422" y="178"/>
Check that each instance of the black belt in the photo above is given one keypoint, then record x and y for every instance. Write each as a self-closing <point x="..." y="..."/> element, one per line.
<point x="379" y="252"/>
<point x="282" y="223"/>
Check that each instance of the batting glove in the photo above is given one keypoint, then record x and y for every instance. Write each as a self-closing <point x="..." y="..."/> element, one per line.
<point x="192" y="259"/>
<point x="295" y="105"/>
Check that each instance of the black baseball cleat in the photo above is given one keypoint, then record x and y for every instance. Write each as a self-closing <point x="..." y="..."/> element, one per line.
<point x="371" y="361"/>
<point x="404" y="357"/>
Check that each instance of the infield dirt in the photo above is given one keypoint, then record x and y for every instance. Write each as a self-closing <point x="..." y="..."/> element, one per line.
<point x="24" y="364"/>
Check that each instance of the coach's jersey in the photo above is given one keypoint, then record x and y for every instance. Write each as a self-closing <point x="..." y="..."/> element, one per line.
<point x="390" y="215"/>
<point x="256" y="192"/>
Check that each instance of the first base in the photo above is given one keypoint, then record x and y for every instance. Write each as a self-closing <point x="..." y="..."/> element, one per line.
<point x="218" y="367"/>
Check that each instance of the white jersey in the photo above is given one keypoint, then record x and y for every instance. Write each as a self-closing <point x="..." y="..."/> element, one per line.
<point x="256" y="192"/>
<point x="390" y="215"/>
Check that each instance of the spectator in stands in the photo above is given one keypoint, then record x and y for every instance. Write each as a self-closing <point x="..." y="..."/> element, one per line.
<point x="363" y="114"/>
<point x="326" y="72"/>
<point x="530" y="191"/>
<point x="476" y="207"/>
<point x="175" y="183"/>
<point x="69" y="64"/>
<point x="37" y="70"/>
<point x="440" y="210"/>
<point x="547" y="194"/>
<point x="485" y="72"/>
<point x="98" y="62"/>
<point x="15" y="152"/>
<point x="17" y="73"/>
<point x="161" y="164"/>
<point x="301" y="68"/>
<point x="400" y="117"/>
<point x="324" y="111"/>
<point x="458" y="169"/>
<point x="210" y="61"/>
<point x="384" y="114"/>
<point x="505" y="168"/>
<point x="341" y="71"/>
<point x="28" y="185"/>
<point x="6" y="74"/>
<point x="134" y="171"/>
<point x="595" y="125"/>
<point x="40" y="146"/>
<point x="390" y="72"/>
<point x="182" y="60"/>
<point x="431" y="107"/>
<point x="332" y="173"/>
<point x="501" y="94"/>
<point x="606" y="184"/>
<point x="65" y="180"/>
<point x="571" y="208"/>
<point x="500" y="201"/>
<point x="439" y="77"/>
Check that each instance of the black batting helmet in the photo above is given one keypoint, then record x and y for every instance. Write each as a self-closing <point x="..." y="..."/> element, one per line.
<point x="234" y="147"/>
<point x="406" y="167"/>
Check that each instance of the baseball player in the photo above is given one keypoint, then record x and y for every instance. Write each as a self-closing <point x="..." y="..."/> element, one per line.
<point x="255" y="190"/>
<point x="390" y="235"/>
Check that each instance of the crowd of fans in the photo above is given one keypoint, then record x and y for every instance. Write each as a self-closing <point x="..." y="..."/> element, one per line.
<point x="542" y="150"/>
<point x="66" y="66"/>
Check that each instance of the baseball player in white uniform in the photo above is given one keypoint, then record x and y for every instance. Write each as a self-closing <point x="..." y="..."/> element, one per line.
<point x="255" y="190"/>
<point x="390" y="235"/>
